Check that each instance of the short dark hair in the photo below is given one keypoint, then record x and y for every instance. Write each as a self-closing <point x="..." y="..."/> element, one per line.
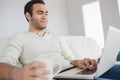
<point x="29" y="6"/>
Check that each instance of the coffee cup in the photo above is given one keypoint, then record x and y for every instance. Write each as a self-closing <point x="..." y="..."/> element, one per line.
<point x="54" y="68"/>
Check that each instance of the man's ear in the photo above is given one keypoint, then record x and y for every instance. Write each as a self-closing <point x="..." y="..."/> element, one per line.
<point x="28" y="16"/>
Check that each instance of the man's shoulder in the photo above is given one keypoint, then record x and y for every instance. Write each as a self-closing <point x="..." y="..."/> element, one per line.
<point x="18" y="35"/>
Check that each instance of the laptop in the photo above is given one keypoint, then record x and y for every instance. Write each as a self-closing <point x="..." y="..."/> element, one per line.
<point x="108" y="58"/>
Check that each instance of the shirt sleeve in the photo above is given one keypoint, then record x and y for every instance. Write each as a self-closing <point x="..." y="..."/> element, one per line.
<point x="66" y="52"/>
<point x="12" y="51"/>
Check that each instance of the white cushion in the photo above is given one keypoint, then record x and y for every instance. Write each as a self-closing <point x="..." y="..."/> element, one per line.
<point x="83" y="47"/>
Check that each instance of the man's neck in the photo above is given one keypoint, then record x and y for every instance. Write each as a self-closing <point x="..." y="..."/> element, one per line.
<point x="39" y="32"/>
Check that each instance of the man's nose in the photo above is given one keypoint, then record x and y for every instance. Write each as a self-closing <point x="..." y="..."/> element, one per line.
<point x="44" y="16"/>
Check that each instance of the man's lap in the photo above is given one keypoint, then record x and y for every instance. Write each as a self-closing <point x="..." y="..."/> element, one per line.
<point x="113" y="73"/>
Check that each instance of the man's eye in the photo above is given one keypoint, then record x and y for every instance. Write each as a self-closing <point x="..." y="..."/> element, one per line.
<point x="39" y="12"/>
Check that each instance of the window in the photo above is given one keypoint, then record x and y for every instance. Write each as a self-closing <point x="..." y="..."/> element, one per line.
<point x="119" y="6"/>
<point x="93" y="22"/>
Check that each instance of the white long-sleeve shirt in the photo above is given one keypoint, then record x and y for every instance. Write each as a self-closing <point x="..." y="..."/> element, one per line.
<point x="27" y="45"/>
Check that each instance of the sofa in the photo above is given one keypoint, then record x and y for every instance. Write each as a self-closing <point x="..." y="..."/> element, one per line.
<point x="81" y="46"/>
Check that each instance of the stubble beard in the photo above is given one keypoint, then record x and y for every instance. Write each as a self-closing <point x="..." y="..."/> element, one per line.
<point x="40" y="27"/>
<point x="37" y="25"/>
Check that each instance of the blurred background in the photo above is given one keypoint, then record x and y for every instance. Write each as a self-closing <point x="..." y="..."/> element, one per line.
<point x="90" y="18"/>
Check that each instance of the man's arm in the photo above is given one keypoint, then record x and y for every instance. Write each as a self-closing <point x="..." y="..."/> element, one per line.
<point x="8" y="72"/>
<point x="28" y="72"/>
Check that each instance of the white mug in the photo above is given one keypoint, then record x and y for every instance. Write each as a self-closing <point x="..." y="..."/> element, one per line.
<point x="54" y="68"/>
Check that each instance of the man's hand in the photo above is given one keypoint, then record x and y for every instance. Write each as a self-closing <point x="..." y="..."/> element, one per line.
<point x="85" y="63"/>
<point x="29" y="72"/>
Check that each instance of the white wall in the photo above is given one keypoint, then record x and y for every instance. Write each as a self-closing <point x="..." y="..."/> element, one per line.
<point x="58" y="22"/>
<point x="12" y="18"/>
<point x="75" y="16"/>
<point x="109" y="13"/>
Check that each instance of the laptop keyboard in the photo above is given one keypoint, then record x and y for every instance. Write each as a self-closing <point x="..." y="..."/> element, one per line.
<point x="87" y="71"/>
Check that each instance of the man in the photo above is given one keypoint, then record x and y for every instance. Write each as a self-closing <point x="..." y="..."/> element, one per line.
<point x="26" y="45"/>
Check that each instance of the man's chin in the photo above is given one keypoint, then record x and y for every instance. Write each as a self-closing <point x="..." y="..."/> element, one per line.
<point x="42" y="28"/>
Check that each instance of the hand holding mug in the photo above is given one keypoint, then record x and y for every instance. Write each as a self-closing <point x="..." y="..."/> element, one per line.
<point x="42" y="69"/>
<point x="29" y="72"/>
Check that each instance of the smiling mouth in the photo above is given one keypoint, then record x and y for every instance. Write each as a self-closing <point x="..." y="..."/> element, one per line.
<point x="43" y="21"/>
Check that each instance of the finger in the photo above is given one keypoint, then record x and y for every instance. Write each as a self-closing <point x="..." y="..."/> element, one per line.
<point x="41" y="78"/>
<point x="87" y="63"/>
<point x="84" y="67"/>
<point x="94" y="64"/>
<point x="34" y="65"/>
<point x="36" y="73"/>
<point x="81" y="64"/>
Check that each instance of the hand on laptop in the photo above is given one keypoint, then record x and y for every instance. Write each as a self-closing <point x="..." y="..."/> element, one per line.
<point x="85" y="63"/>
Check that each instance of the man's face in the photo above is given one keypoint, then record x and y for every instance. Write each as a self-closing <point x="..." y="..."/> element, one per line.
<point x="39" y="17"/>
